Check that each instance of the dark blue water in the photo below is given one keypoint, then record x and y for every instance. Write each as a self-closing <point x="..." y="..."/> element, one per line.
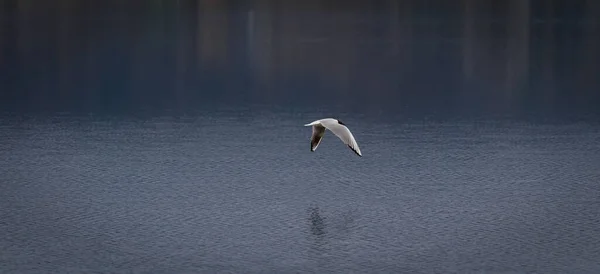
<point x="168" y="137"/>
<point x="238" y="192"/>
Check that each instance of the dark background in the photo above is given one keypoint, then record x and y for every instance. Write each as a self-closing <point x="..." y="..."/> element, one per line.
<point x="466" y="57"/>
<point x="168" y="137"/>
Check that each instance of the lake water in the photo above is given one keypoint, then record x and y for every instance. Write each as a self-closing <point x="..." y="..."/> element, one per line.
<point x="168" y="137"/>
<point x="239" y="191"/>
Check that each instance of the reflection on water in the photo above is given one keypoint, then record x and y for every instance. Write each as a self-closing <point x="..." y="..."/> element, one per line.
<point x="317" y="223"/>
<point x="166" y="136"/>
<point x="205" y="193"/>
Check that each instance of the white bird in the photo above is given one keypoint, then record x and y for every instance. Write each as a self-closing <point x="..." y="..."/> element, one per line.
<point x="338" y="128"/>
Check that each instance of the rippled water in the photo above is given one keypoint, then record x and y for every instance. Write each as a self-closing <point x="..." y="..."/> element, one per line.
<point x="227" y="192"/>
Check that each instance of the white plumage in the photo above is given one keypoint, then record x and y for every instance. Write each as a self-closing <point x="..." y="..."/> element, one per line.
<point x="338" y="128"/>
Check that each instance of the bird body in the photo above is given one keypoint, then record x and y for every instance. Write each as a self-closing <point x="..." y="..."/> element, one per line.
<point x="338" y="128"/>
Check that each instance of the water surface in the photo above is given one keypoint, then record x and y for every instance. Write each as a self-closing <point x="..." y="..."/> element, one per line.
<point x="167" y="137"/>
<point x="237" y="192"/>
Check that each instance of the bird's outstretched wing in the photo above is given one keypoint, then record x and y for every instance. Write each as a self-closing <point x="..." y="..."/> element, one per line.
<point x="342" y="132"/>
<point x="317" y="135"/>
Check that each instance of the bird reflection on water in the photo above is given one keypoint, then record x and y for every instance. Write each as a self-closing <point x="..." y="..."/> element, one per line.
<point x="317" y="222"/>
<point x="331" y="236"/>
<point x="319" y="247"/>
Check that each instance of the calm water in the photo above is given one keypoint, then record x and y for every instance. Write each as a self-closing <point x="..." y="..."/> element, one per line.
<point x="167" y="136"/>
<point x="239" y="191"/>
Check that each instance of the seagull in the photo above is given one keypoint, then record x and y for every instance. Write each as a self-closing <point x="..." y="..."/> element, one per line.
<point x="338" y="128"/>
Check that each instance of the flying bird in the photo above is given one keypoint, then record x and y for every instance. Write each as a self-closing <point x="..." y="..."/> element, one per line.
<point x="338" y="128"/>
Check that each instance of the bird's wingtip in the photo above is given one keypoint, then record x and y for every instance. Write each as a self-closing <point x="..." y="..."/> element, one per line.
<point x="355" y="151"/>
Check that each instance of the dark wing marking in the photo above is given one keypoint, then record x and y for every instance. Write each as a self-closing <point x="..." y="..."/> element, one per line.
<point x="345" y="135"/>
<point x="317" y="136"/>
<point x="354" y="150"/>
